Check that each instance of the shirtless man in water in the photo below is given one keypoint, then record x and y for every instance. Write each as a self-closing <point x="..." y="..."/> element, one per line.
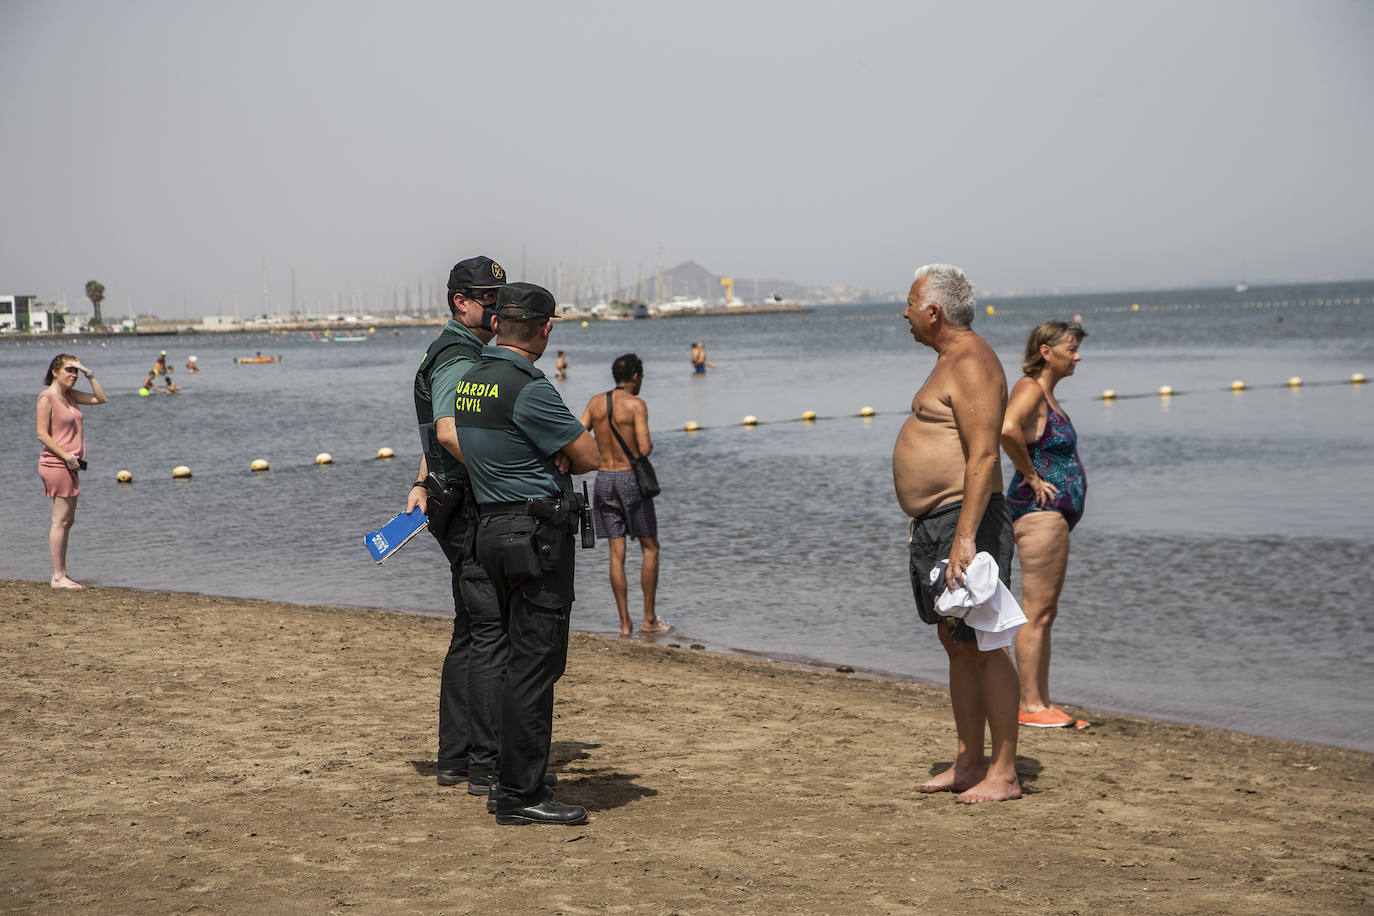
<point x="947" y="471"/>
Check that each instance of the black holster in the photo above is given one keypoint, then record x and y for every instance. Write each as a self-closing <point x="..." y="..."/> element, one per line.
<point x="444" y="504"/>
<point x="557" y="518"/>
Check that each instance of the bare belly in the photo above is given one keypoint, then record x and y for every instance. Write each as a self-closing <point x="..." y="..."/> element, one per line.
<point x="927" y="467"/>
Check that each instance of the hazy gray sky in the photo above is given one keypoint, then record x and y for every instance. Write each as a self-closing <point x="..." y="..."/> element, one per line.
<point x="168" y="149"/>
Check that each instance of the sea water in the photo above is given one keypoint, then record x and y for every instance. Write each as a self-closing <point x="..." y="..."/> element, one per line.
<point x="1220" y="575"/>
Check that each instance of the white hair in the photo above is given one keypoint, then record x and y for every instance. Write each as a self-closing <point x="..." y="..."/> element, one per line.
<point x="948" y="287"/>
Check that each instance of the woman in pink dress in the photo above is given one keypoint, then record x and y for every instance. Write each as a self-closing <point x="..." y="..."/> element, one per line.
<point x="64" y="451"/>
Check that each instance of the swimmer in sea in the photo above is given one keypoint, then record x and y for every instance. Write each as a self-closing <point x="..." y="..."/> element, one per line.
<point x="148" y="383"/>
<point x="699" y="363"/>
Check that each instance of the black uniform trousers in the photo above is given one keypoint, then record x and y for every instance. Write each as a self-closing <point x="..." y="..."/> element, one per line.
<point x="470" y="683"/>
<point x="537" y="609"/>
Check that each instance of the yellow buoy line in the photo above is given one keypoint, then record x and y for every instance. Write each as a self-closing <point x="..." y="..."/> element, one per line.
<point x="259" y="465"/>
<point x="1164" y="391"/>
<point x="1002" y="308"/>
<point x="256" y="466"/>
<point x="1197" y="306"/>
<point x="1168" y="391"/>
<point x="807" y="416"/>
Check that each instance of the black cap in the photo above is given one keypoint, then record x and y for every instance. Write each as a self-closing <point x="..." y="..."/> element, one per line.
<point x="477" y="273"/>
<point x="524" y="300"/>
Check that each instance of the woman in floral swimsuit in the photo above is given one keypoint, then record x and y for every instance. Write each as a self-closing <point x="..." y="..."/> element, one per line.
<point x="1045" y="500"/>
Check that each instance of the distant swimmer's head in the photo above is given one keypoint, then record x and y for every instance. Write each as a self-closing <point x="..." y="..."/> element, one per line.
<point x="948" y="287"/>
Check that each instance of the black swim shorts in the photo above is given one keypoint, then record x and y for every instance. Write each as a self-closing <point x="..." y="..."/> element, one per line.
<point x="932" y="537"/>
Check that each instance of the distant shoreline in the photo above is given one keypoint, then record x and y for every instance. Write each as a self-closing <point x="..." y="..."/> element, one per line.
<point x="179" y="329"/>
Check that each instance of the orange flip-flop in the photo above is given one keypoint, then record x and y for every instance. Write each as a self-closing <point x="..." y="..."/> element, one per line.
<point x="1050" y="718"/>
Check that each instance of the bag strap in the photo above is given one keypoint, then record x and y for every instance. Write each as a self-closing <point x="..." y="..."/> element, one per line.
<point x="610" y="421"/>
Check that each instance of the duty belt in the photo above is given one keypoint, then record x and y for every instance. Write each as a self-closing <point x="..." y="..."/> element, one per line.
<point x="521" y="508"/>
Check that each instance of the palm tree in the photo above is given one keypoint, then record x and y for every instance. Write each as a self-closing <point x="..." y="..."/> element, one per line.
<point x="95" y="291"/>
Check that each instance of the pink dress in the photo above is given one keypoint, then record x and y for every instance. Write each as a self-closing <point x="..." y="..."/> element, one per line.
<point x="58" y="479"/>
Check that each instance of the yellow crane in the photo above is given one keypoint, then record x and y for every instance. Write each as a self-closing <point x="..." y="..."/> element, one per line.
<point x="729" y="284"/>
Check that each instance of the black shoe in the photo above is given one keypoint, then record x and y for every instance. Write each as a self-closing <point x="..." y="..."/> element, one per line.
<point x="451" y="777"/>
<point x="546" y="812"/>
<point x="481" y="785"/>
<point x="491" y="799"/>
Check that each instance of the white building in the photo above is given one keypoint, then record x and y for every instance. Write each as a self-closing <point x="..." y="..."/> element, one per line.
<point x="14" y="312"/>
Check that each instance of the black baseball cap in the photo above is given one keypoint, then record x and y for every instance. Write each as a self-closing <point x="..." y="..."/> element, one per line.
<point x="524" y="300"/>
<point x="477" y="273"/>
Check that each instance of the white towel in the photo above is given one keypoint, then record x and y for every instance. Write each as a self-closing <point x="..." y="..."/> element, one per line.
<point x="982" y="602"/>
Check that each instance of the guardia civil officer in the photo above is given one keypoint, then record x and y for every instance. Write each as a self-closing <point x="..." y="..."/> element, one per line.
<point x="469" y="685"/>
<point x="520" y="443"/>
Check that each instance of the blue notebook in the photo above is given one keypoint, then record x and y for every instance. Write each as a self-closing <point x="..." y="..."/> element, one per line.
<point x="395" y="534"/>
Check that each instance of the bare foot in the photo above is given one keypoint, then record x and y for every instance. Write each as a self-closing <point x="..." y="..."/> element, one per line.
<point x="950" y="781"/>
<point x="991" y="789"/>
<point x="657" y="625"/>
<point x="64" y="582"/>
<point x="625" y="633"/>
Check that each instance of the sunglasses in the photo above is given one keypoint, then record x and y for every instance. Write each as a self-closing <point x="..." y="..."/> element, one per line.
<point x="480" y="295"/>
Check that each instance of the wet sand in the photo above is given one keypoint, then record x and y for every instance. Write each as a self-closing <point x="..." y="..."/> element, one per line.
<point x="168" y="752"/>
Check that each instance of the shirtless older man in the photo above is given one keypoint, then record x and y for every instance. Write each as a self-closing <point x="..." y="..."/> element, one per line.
<point x="947" y="471"/>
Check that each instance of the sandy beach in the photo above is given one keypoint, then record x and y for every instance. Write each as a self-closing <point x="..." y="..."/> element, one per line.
<point x="170" y="752"/>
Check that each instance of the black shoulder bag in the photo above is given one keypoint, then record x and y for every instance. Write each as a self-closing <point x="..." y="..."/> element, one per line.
<point x="644" y="471"/>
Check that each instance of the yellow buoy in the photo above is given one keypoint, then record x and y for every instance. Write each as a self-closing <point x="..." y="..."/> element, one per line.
<point x="385" y="452"/>
<point x="990" y="310"/>
<point x="750" y="420"/>
<point x="181" y="472"/>
<point x="124" y="477"/>
<point x="866" y="411"/>
<point x="1357" y="379"/>
<point x="584" y="324"/>
<point x="1135" y="306"/>
<point x="1237" y="385"/>
<point x="259" y="464"/>
<point x="1295" y="382"/>
<point x="809" y="416"/>
<point x="324" y="458"/>
<point x="690" y="426"/>
<point x="1166" y="390"/>
<point x="1109" y="395"/>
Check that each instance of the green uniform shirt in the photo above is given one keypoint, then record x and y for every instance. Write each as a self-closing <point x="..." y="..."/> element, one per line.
<point x="454" y="352"/>
<point x="510" y="423"/>
<point x="444" y="381"/>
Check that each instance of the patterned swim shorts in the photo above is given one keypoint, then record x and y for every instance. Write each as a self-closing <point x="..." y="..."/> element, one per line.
<point x="618" y="510"/>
